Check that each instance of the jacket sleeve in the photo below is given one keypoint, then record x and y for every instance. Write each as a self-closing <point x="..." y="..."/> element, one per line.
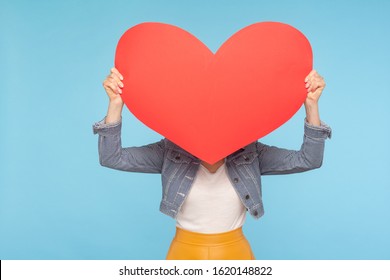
<point x="274" y="160"/>
<point x="145" y="159"/>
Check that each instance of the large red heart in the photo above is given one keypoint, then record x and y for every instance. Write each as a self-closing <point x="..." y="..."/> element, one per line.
<point x="213" y="104"/>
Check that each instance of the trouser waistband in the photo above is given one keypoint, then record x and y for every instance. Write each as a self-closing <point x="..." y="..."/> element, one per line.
<point x="207" y="239"/>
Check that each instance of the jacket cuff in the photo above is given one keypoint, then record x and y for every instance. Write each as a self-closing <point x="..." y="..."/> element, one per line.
<point x="106" y="129"/>
<point x="318" y="132"/>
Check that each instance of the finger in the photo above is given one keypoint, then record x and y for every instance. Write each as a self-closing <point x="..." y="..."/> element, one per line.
<point x="114" y="78"/>
<point x="115" y="88"/>
<point x="319" y="81"/>
<point x="314" y="85"/>
<point x="114" y="70"/>
<point x="308" y="82"/>
<point x="317" y="84"/>
<point x="311" y="74"/>
<point x="108" y="86"/>
<point x="322" y="82"/>
<point x="117" y="79"/>
<point x="317" y="77"/>
<point x="315" y="81"/>
<point x="112" y="84"/>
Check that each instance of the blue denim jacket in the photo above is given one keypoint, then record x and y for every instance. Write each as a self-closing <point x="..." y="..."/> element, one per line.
<point x="178" y="167"/>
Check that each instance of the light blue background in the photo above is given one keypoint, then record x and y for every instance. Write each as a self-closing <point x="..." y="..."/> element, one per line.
<point x="57" y="202"/>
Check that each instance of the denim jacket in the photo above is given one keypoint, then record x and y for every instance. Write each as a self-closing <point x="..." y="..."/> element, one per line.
<point x="178" y="168"/>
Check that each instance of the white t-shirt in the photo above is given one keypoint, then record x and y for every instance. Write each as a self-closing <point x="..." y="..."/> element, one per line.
<point x="212" y="205"/>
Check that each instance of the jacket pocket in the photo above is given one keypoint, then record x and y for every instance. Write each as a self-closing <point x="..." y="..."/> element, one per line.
<point x="177" y="157"/>
<point x="247" y="158"/>
<point x="247" y="166"/>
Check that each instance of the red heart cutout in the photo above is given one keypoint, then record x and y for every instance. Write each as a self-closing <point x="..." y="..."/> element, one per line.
<point x="213" y="104"/>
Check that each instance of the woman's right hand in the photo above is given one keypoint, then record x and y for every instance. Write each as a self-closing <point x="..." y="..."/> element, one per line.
<point x="113" y="86"/>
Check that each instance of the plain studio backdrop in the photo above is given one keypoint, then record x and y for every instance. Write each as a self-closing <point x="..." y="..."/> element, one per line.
<point x="57" y="202"/>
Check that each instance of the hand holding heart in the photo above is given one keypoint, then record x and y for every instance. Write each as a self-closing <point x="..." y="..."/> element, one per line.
<point x="212" y="104"/>
<point x="113" y="85"/>
<point x="314" y="84"/>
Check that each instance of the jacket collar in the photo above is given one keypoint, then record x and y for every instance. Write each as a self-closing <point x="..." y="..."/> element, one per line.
<point x="250" y="148"/>
<point x="170" y="145"/>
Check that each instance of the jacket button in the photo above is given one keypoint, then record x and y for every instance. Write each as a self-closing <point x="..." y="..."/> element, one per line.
<point x="235" y="180"/>
<point x="247" y="196"/>
<point x="177" y="157"/>
<point x="256" y="213"/>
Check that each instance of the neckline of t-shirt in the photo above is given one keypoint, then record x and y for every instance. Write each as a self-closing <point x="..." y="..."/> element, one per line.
<point x="216" y="171"/>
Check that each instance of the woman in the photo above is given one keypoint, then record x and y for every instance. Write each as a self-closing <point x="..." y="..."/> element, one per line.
<point x="210" y="201"/>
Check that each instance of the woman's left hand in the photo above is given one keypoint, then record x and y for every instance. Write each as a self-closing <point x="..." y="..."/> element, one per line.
<point x="315" y="84"/>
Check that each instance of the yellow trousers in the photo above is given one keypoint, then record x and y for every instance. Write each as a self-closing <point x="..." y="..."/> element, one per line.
<point x="231" y="245"/>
